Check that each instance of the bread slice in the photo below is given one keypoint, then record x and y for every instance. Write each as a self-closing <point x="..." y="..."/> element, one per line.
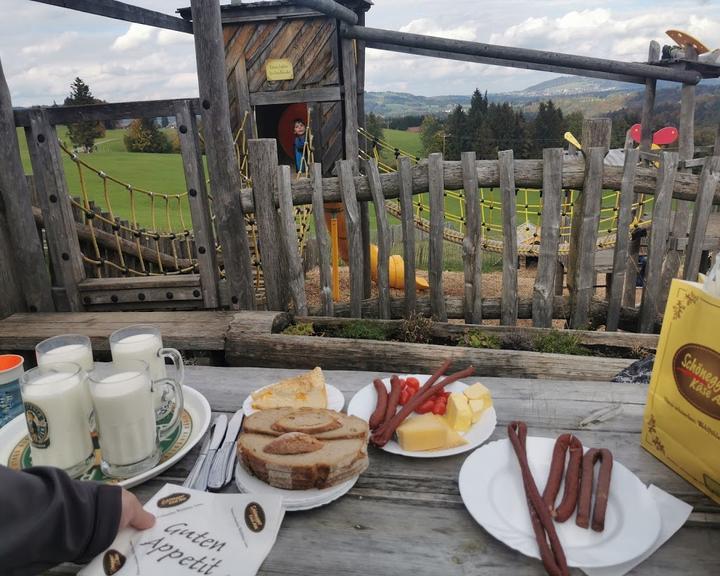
<point x="266" y="422"/>
<point x="293" y="443"/>
<point x="335" y="462"/>
<point x="306" y="389"/>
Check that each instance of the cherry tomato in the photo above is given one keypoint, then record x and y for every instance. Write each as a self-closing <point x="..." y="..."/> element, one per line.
<point x="426" y="407"/>
<point x="413" y="382"/>
<point x="439" y="409"/>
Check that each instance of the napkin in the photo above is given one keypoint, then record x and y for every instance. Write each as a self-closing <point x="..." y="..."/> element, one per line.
<point x="195" y="533"/>
<point x="673" y="514"/>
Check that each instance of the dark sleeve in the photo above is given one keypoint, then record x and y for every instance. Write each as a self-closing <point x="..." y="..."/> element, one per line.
<point x="47" y="518"/>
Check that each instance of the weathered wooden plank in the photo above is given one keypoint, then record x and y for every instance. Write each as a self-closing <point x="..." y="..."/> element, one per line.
<point x="263" y="169"/>
<point x="352" y="216"/>
<point x="352" y="147"/>
<point x="13" y="299"/>
<point x="658" y="242"/>
<point x="199" y="203"/>
<point x="220" y="151"/>
<point x="632" y="269"/>
<point x="289" y="240"/>
<point x="51" y="187"/>
<point x="509" y="307"/>
<point x="701" y="215"/>
<point x="472" y="242"/>
<point x="244" y="107"/>
<point x="436" y="189"/>
<point x="365" y="235"/>
<point x="126" y="12"/>
<point x="620" y="255"/>
<point x="21" y="246"/>
<point x="383" y="233"/>
<point x="323" y="94"/>
<point x="323" y="239"/>
<point x="544" y="288"/>
<point x="596" y="133"/>
<point x="583" y="241"/>
<point x="404" y="178"/>
<point x="646" y="118"/>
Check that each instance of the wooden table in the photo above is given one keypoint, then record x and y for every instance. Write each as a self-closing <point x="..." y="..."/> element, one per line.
<point x="405" y="516"/>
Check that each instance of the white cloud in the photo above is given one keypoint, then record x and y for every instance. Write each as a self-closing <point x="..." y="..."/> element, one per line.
<point x="49" y="46"/>
<point x="432" y="28"/>
<point x="136" y="36"/>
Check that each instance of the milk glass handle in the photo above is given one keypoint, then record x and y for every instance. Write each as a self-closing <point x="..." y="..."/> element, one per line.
<point x="177" y="360"/>
<point x="177" y="389"/>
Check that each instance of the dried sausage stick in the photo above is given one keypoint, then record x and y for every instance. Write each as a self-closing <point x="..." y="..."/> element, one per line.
<point x="564" y="443"/>
<point x="378" y="415"/>
<point x="601" y="493"/>
<point x="393" y="398"/>
<point x="551" y="551"/>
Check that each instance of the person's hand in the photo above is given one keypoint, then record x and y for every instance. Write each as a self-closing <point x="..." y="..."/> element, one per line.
<point x="133" y="514"/>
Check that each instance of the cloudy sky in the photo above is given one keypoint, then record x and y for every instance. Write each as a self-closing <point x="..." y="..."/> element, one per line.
<point x="42" y="48"/>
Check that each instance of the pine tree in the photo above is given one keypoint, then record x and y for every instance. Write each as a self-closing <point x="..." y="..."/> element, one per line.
<point x="83" y="134"/>
<point x="456" y="140"/>
<point x="549" y="128"/>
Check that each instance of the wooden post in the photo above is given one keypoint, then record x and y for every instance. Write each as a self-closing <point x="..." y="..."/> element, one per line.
<point x="620" y="255"/>
<point x="544" y="289"/>
<point x="472" y="242"/>
<point x="509" y="297"/>
<point x="383" y="230"/>
<point x="263" y="168"/>
<point x="405" y="184"/>
<point x="701" y="214"/>
<point x="646" y="118"/>
<point x="20" y="241"/>
<point x="62" y="239"/>
<point x="436" y="189"/>
<point x="289" y="239"/>
<point x="199" y="203"/>
<point x="220" y="151"/>
<point x="632" y="269"/>
<point x="657" y="245"/>
<point x="323" y="240"/>
<point x="352" y="216"/>
<point x="359" y="60"/>
<point x="596" y="133"/>
<point x="12" y="296"/>
<point x="583" y="240"/>
<point x="352" y="148"/>
<point x="243" y="98"/>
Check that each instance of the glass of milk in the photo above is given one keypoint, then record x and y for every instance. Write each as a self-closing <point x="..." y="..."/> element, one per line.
<point x="56" y="416"/>
<point x="144" y="342"/>
<point x="74" y="348"/>
<point x="126" y="420"/>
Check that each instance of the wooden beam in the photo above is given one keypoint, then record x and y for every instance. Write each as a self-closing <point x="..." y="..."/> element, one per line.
<point x="509" y="307"/>
<point x="243" y="103"/>
<point x="352" y="147"/>
<point x="331" y="8"/>
<point x="126" y="12"/>
<point x="323" y="240"/>
<point x="436" y="190"/>
<point x="220" y="151"/>
<point x="520" y="54"/>
<point x="108" y="111"/>
<point x="323" y="94"/>
<point x="649" y="100"/>
<point x="504" y="62"/>
<point x="472" y="242"/>
<point x="289" y="240"/>
<point x="404" y="179"/>
<point x="383" y="247"/>
<point x="21" y="246"/>
<point x="352" y="216"/>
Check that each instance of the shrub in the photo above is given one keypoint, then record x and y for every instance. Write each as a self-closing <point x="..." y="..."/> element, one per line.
<point x="415" y="330"/>
<point x="557" y="342"/>
<point x="479" y="339"/>
<point x="300" y="329"/>
<point x="517" y="341"/>
<point x="362" y="330"/>
<point x="144" y="136"/>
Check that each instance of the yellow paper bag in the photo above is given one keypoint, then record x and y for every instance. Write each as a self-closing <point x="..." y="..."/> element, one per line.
<point x="682" y="416"/>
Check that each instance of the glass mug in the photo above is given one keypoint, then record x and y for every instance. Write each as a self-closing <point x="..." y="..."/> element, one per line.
<point x="56" y="416"/>
<point x="11" y="370"/>
<point x="144" y="342"/>
<point x="128" y="431"/>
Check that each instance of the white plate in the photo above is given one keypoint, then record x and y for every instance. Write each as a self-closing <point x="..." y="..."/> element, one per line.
<point x="335" y="399"/>
<point x="195" y="405"/>
<point x="363" y="405"/>
<point x="293" y="500"/>
<point x="492" y="490"/>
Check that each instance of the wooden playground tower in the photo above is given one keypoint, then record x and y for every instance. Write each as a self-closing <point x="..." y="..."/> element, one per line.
<point x="324" y="42"/>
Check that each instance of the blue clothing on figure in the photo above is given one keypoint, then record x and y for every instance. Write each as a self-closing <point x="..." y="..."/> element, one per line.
<point x="299" y="146"/>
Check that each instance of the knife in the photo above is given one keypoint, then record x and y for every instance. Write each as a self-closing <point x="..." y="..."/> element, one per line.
<point x="219" y="426"/>
<point x="218" y="470"/>
<point x="190" y="480"/>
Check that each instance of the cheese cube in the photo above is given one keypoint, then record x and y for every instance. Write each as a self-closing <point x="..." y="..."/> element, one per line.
<point x="477" y="407"/>
<point x="478" y="391"/>
<point x="453" y="439"/>
<point x="423" y="432"/>
<point x="459" y="415"/>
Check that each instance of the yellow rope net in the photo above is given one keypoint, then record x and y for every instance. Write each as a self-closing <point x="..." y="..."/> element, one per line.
<point x="529" y="206"/>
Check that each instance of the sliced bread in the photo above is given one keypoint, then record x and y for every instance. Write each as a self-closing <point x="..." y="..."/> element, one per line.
<point x="322" y="423"/>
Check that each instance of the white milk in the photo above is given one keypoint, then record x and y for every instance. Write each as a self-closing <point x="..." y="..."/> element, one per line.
<point x="76" y="353"/>
<point x="125" y="418"/>
<point x="142" y="347"/>
<point x="60" y="400"/>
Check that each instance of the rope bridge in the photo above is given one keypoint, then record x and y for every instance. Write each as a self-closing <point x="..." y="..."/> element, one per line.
<point x="529" y="209"/>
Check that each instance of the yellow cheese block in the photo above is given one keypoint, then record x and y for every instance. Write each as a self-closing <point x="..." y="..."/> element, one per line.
<point x="478" y="392"/>
<point x="427" y="432"/>
<point x="459" y="415"/>
<point x="477" y="407"/>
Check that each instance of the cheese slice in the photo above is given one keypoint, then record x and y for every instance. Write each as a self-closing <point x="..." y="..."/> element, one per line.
<point x="304" y="390"/>
<point x="477" y="392"/>
<point x="459" y="415"/>
<point x="477" y="407"/>
<point x="427" y="432"/>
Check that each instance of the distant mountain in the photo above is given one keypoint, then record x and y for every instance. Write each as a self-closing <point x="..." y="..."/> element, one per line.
<point x="570" y="85"/>
<point x="390" y="104"/>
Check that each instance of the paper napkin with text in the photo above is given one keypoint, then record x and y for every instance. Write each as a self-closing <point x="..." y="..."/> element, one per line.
<point x="195" y="533"/>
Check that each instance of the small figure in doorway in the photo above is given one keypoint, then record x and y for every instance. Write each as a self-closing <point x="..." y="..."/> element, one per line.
<point x="299" y="144"/>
